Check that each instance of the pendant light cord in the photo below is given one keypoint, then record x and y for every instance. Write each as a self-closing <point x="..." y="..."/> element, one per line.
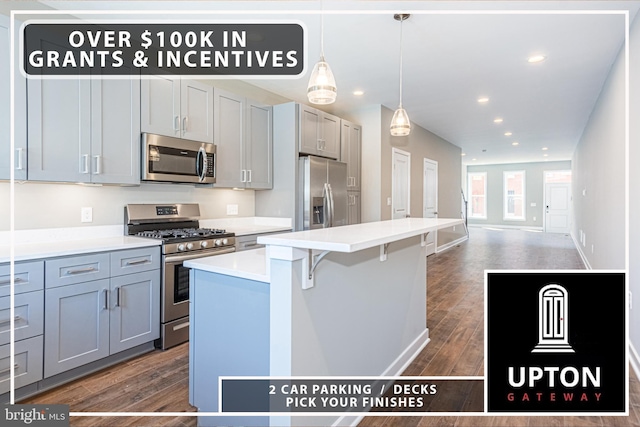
<point x="401" y="21"/>
<point x="321" y="31"/>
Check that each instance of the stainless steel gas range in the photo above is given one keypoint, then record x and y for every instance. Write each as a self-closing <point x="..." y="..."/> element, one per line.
<point x="177" y="225"/>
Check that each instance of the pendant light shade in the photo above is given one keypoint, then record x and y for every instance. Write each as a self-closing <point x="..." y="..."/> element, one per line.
<point x="322" y="85"/>
<point x="400" y="124"/>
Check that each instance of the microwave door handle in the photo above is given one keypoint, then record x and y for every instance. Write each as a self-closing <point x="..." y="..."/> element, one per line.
<point x="205" y="164"/>
<point x="201" y="160"/>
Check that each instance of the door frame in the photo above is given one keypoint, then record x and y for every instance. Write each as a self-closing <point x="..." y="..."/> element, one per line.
<point x="430" y="162"/>
<point x="395" y="151"/>
<point x="544" y="198"/>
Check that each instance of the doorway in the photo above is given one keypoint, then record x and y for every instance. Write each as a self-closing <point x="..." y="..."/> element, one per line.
<point x="557" y="200"/>
<point x="401" y="184"/>
<point x="430" y="199"/>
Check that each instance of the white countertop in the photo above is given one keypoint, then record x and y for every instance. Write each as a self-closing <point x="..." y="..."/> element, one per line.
<point x="352" y="238"/>
<point x="244" y="226"/>
<point x="50" y="249"/>
<point x="251" y="265"/>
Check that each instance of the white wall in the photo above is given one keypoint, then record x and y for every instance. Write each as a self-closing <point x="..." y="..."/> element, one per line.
<point x="599" y="177"/>
<point x="39" y="205"/>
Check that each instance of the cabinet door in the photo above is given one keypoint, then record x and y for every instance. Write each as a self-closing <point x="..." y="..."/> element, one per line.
<point x="353" y="208"/>
<point x="27" y="363"/>
<point x="160" y="105"/>
<point x="135" y="310"/>
<point x="115" y="140"/>
<point x="20" y="112"/>
<point x="309" y="142"/>
<point x="196" y="107"/>
<point x="59" y="128"/>
<point x="330" y="136"/>
<point x="77" y="331"/>
<point x="229" y="111"/>
<point x="259" y="146"/>
<point x="351" y="141"/>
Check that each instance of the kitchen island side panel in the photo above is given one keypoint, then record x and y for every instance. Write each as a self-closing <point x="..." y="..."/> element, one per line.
<point x="229" y="336"/>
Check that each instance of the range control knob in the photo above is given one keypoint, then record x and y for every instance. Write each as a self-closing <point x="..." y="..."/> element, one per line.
<point x="204" y="244"/>
<point x="225" y="241"/>
<point x="218" y="242"/>
<point x="181" y="247"/>
<point x="189" y="246"/>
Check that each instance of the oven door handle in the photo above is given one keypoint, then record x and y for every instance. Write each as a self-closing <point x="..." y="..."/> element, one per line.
<point x="201" y="254"/>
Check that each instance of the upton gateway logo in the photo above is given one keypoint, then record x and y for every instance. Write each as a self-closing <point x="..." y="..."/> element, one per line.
<point x="553" y="320"/>
<point x="556" y="342"/>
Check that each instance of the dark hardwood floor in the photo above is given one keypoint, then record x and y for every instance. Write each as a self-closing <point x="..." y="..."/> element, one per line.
<point x="158" y="382"/>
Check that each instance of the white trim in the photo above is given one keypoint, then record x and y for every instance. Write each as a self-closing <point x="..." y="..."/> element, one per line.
<point x="451" y="244"/>
<point x="585" y="261"/>
<point x="634" y="359"/>
<point x="433" y="163"/>
<point x="510" y="227"/>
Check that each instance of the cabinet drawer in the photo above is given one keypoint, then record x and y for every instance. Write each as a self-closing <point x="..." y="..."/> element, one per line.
<point x="135" y="261"/>
<point x="77" y="269"/>
<point x="29" y="316"/>
<point x="27" y="363"/>
<point x="28" y="276"/>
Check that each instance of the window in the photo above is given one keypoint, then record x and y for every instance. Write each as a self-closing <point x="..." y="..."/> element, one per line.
<point x="514" y="195"/>
<point x="477" y="188"/>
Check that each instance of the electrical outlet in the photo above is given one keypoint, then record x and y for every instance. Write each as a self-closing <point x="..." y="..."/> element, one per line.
<point x="86" y="214"/>
<point x="591" y="248"/>
<point x="232" y="209"/>
<point x="388" y="201"/>
<point x="630" y="300"/>
<point x="534" y="218"/>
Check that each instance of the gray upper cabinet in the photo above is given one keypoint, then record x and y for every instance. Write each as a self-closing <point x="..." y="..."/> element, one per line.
<point x="20" y="139"/>
<point x="319" y="133"/>
<point x="350" y="153"/>
<point x="244" y="142"/>
<point x="84" y="130"/>
<point x="177" y="107"/>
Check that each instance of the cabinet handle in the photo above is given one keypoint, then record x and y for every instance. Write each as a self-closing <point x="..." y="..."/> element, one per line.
<point x="118" y="296"/>
<point x="243" y="175"/>
<point x="7" y="370"/>
<point x="106" y="299"/>
<point x="19" y="154"/>
<point x="81" y="270"/>
<point x="249" y="244"/>
<point x="15" y="281"/>
<point x="98" y="169"/>
<point x="138" y="262"/>
<point x="249" y="175"/>
<point x="185" y="123"/>
<point x="84" y="163"/>
<point x="5" y="321"/>
<point x="176" y="123"/>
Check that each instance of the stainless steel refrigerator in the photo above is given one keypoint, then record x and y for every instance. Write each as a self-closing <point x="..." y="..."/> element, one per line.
<point x="323" y="183"/>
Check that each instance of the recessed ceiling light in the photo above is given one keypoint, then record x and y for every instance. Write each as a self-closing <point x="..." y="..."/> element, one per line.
<point x="463" y="154"/>
<point x="358" y="92"/>
<point x="515" y="143"/>
<point x="536" y="58"/>
<point x="508" y="134"/>
<point x="473" y="160"/>
<point x="497" y="120"/>
<point x="483" y="99"/>
<point x="545" y="155"/>
<point x="545" y="148"/>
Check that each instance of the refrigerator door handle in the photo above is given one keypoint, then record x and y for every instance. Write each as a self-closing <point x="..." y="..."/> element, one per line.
<point x="325" y="206"/>
<point x="332" y="212"/>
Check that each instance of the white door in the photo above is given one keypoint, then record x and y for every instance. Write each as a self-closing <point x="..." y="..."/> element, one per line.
<point x="430" y="199"/>
<point x="557" y="207"/>
<point x="401" y="184"/>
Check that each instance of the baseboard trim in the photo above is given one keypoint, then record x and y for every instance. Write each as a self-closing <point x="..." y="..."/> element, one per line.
<point x="634" y="359"/>
<point x="452" y="244"/>
<point x="509" y="227"/>
<point x="585" y="261"/>
<point x="396" y="368"/>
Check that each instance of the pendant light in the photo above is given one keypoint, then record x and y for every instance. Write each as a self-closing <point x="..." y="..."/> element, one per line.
<point x="322" y="85"/>
<point x="400" y="124"/>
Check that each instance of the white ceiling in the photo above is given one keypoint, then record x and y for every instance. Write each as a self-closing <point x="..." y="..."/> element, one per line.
<point x="453" y="53"/>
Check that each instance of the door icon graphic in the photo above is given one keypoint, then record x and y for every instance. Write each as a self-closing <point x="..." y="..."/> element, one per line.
<point x="553" y="320"/>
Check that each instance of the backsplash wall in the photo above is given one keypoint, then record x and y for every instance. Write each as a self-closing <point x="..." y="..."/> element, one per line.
<point x="43" y="205"/>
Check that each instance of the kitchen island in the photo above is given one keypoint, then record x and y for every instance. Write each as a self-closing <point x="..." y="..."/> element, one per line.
<point x="344" y="301"/>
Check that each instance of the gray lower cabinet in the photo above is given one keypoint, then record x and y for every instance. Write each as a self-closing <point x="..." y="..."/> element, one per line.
<point x="28" y="322"/>
<point x="354" y="212"/>
<point x="117" y="307"/>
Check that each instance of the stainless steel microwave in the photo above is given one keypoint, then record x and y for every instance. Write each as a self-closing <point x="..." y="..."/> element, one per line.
<point x="169" y="159"/>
